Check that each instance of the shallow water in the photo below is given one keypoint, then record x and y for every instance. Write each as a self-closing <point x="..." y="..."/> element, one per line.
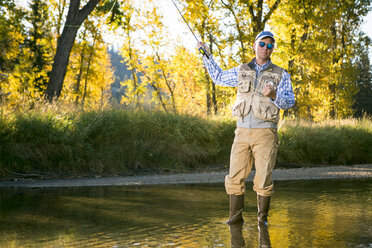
<point x="332" y="213"/>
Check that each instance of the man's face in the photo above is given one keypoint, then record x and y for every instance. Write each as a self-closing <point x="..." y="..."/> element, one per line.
<point x="263" y="53"/>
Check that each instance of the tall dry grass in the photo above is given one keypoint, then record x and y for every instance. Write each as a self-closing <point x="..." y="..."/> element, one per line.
<point x="347" y="141"/>
<point x="53" y="140"/>
<point x="64" y="140"/>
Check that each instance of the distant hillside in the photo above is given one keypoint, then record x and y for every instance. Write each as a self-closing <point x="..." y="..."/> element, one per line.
<point x="121" y="73"/>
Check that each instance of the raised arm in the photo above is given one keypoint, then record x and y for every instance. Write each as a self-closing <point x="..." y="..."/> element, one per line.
<point x="220" y="77"/>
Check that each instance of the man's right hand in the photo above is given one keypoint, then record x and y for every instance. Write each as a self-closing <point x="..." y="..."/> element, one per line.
<point x="204" y="47"/>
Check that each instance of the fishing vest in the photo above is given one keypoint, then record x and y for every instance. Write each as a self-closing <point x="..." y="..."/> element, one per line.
<point x="249" y="97"/>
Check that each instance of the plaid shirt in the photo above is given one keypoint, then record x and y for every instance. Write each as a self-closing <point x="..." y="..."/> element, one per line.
<point x="284" y="93"/>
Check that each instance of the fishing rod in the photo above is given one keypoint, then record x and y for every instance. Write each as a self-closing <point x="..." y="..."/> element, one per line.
<point x="201" y="49"/>
<point x="204" y="52"/>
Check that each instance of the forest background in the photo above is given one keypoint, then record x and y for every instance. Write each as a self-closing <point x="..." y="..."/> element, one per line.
<point x="320" y="43"/>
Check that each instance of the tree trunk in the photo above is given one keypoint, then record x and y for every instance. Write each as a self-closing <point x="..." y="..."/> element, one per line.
<point x="78" y="80"/>
<point x="213" y="92"/>
<point x="75" y="18"/>
<point x="332" y="86"/>
<point x="291" y="67"/>
<point x="133" y="66"/>
<point x="168" y="84"/>
<point x="157" y="90"/>
<point x="88" y="68"/>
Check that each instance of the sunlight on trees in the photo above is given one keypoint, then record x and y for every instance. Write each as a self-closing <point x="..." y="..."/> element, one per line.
<point x="318" y="42"/>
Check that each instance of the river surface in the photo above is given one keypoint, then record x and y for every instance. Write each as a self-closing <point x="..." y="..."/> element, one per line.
<point x="316" y="213"/>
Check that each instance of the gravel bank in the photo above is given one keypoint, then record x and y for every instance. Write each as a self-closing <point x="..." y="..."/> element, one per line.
<point x="334" y="172"/>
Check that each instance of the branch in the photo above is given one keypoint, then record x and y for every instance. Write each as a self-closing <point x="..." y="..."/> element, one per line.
<point x="273" y="8"/>
<point x="250" y="7"/>
<point x="86" y="10"/>
<point x="226" y="5"/>
<point x="260" y="9"/>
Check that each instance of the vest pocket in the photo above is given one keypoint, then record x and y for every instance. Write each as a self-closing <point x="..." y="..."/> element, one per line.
<point x="264" y="109"/>
<point x="241" y="109"/>
<point x="244" y="86"/>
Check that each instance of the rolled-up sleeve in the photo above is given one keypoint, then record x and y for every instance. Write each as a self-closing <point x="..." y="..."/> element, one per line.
<point x="284" y="94"/>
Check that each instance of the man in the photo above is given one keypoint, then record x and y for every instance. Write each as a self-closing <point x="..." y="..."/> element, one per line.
<point x="263" y="89"/>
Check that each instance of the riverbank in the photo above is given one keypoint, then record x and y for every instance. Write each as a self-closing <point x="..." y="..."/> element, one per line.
<point x="334" y="172"/>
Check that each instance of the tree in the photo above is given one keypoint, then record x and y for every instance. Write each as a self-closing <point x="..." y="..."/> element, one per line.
<point x="12" y="34"/>
<point x="363" y="103"/>
<point x="39" y="46"/>
<point x="126" y="20"/>
<point x="188" y="74"/>
<point x="58" y="7"/>
<point x="89" y="73"/>
<point x="75" y="18"/>
<point x="246" y="29"/>
<point x="147" y="57"/>
<point x="29" y="72"/>
<point x="206" y="25"/>
<point x="316" y="41"/>
<point x="154" y="67"/>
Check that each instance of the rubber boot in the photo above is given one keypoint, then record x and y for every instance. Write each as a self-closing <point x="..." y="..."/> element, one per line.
<point x="263" y="204"/>
<point x="236" y="209"/>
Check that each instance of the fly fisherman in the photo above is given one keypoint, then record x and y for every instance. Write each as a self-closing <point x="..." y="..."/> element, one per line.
<point x="263" y="89"/>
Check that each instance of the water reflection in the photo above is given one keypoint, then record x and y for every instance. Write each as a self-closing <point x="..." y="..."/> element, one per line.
<point x="237" y="237"/>
<point x="263" y="236"/>
<point x="303" y="214"/>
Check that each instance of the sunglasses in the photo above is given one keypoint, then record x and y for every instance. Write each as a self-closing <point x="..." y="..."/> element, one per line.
<point x="268" y="45"/>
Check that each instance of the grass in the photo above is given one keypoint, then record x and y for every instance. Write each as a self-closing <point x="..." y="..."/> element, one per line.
<point x="53" y="141"/>
<point x="110" y="142"/>
<point x="339" y="142"/>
